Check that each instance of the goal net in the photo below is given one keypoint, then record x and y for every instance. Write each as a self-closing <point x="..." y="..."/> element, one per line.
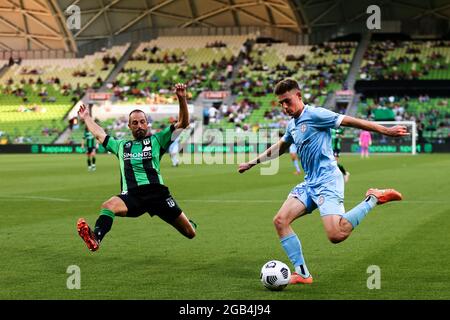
<point x="385" y="144"/>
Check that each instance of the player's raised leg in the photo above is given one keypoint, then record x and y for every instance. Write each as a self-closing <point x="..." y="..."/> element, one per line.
<point x="110" y="208"/>
<point x="185" y="226"/>
<point x="339" y="227"/>
<point x="292" y="209"/>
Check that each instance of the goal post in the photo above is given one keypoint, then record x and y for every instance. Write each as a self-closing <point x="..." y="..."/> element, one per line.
<point x="410" y="125"/>
<point x="383" y="144"/>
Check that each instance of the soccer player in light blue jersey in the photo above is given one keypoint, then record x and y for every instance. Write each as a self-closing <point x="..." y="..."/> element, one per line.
<point x="323" y="188"/>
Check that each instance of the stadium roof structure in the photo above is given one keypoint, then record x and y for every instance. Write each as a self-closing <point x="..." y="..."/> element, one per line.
<point x="41" y="24"/>
<point x="335" y="13"/>
<point x="110" y="18"/>
<point x="33" y="25"/>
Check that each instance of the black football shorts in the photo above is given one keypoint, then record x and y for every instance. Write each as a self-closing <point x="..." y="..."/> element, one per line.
<point x="154" y="199"/>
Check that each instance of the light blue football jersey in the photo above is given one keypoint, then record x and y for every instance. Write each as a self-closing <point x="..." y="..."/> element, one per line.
<point x="311" y="134"/>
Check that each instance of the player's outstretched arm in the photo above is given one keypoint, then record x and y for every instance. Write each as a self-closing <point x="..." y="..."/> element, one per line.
<point x="93" y="127"/>
<point x="183" y="118"/>
<point x="274" y="151"/>
<point x="396" y="131"/>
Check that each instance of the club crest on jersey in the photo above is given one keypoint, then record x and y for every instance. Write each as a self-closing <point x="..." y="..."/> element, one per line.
<point x="146" y="142"/>
<point x="128" y="144"/>
<point x="303" y="128"/>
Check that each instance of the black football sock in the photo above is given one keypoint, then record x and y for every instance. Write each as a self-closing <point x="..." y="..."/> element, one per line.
<point x="103" y="224"/>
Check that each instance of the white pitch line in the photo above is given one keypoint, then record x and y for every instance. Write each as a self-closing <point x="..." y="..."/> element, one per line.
<point x="281" y="200"/>
<point x="18" y="198"/>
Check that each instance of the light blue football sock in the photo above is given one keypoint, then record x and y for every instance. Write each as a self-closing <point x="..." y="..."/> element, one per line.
<point x="293" y="248"/>
<point x="358" y="213"/>
<point x="296" y="165"/>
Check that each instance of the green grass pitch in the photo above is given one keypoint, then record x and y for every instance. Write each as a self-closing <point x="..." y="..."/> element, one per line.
<point x="42" y="196"/>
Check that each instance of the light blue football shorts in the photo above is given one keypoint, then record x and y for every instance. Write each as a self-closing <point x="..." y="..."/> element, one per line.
<point x="328" y="197"/>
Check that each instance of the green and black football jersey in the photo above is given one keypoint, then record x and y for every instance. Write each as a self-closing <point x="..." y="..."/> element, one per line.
<point x="89" y="140"/>
<point x="140" y="159"/>
<point x="336" y="137"/>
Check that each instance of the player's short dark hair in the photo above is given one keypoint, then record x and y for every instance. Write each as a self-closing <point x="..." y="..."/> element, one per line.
<point x="286" y="85"/>
<point x="134" y="111"/>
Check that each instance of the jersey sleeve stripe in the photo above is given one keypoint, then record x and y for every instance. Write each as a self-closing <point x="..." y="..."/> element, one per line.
<point x="130" y="178"/>
<point x="105" y="142"/>
<point x="339" y="121"/>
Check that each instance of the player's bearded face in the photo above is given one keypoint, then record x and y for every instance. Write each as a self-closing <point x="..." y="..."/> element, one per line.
<point x="138" y="125"/>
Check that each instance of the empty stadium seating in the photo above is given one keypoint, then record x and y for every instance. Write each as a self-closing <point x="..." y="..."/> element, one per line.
<point x="33" y="105"/>
<point x="64" y="69"/>
<point x="160" y="63"/>
<point x="318" y="69"/>
<point x="424" y="60"/>
<point x="32" y="100"/>
<point x="432" y="112"/>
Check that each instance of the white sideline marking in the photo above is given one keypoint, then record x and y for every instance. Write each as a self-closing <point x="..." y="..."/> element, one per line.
<point x="281" y="200"/>
<point x="20" y="198"/>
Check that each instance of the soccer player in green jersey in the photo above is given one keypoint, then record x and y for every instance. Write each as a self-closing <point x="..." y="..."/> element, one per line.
<point x="91" y="146"/>
<point x="336" y="137"/>
<point x="143" y="189"/>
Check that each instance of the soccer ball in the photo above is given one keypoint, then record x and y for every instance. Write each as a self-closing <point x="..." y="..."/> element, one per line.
<point x="275" y="275"/>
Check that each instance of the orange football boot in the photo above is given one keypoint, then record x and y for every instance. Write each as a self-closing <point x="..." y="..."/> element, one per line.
<point x="87" y="235"/>
<point x="296" y="279"/>
<point x="384" y="195"/>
